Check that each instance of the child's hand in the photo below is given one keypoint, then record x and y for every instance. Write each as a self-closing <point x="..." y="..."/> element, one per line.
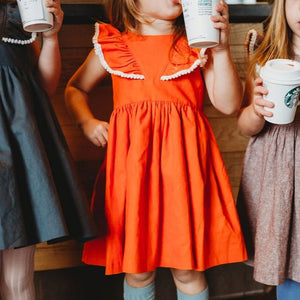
<point x="58" y="15"/>
<point x="96" y="131"/>
<point x="221" y="22"/>
<point x="259" y="102"/>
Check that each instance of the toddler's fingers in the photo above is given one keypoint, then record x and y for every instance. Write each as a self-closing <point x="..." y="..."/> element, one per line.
<point x="106" y="125"/>
<point x="52" y="3"/>
<point x="220" y="22"/>
<point x="260" y="90"/>
<point x="54" y="8"/>
<point x="263" y="102"/>
<point x="258" y="81"/>
<point x="105" y="134"/>
<point x="262" y="112"/>
<point x="222" y="9"/>
<point x="100" y="141"/>
<point x="101" y="133"/>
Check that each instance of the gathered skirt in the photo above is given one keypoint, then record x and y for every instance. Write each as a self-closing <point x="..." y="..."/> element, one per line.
<point x="269" y="203"/>
<point x="168" y="200"/>
<point x="41" y="198"/>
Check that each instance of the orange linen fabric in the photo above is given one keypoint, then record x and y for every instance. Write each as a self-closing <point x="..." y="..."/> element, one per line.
<point x="168" y="200"/>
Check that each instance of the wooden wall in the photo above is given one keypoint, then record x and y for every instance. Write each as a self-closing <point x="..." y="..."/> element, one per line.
<point x="75" y="42"/>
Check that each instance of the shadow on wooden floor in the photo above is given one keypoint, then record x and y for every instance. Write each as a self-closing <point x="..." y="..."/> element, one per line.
<point x="89" y="283"/>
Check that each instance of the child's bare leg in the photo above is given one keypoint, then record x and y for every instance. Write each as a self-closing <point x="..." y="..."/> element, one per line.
<point x="190" y="284"/>
<point x="139" y="286"/>
<point x="17" y="278"/>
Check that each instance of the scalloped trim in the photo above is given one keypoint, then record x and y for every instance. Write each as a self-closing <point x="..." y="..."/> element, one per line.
<point x="99" y="52"/>
<point x="20" y="42"/>
<point x="199" y="62"/>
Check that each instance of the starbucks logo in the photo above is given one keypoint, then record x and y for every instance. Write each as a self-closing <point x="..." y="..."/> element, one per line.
<point x="292" y="97"/>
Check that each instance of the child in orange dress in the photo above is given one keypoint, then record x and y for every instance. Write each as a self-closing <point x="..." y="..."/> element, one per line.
<point x="168" y="199"/>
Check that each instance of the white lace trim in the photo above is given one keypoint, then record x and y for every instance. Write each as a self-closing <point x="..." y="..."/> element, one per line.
<point x="20" y="42"/>
<point x="103" y="62"/>
<point x="98" y="50"/>
<point x="199" y="62"/>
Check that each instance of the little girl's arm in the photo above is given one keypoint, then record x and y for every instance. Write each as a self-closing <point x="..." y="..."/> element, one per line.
<point x="222" y="81"/>
<point x="76" y="98"/>
<point x="251" y="116"/>
<point x="223" y="84"/>
<point x="49" y="63"/>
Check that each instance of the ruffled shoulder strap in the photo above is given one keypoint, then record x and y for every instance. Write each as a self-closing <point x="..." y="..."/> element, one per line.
<point x="184" y="60"/>
<point x="113" y="52"/>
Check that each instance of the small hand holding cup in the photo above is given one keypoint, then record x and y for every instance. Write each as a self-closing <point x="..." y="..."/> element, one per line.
<point x="259" y="103"/>
<point x="281" y="77"/>
<point x="200" y="30"/>
<point x="221" y="22"/>
<point x="54" y="7"/>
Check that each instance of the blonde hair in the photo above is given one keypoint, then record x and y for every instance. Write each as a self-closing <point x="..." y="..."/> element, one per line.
<point x="277" y="42"/>
<point x="125" y="16"/>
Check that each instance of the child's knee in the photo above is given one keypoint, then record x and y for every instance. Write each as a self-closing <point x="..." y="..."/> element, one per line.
<point x="187" y="276"/>
<point x="140" y="280"/>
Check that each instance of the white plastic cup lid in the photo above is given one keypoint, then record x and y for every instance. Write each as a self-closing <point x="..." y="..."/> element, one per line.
<point x="285" y="71"/>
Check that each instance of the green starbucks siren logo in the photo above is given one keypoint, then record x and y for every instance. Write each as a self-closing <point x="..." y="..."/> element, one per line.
<point x="292" y="97"/>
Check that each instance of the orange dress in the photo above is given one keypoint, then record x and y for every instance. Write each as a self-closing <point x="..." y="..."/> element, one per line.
<point x="168" y="200"/>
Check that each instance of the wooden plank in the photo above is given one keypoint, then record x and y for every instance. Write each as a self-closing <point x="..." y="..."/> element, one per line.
<point x="84" y="13"/>
<point x="81" y="149"/>
<point x="76" y="35"/>
<point x="57" y="256"/>
<point x="234" y="164"/>
<point x="242" y="13"/>
<point x="238" y="32"/>
<point x="227" y="135"/>
<point x="81" y="11"/>
<point x="100" y="104"/>
<point x="235" y="191"/>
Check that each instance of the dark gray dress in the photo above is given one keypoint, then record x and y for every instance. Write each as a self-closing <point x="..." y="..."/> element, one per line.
<point x="40" y="195"/>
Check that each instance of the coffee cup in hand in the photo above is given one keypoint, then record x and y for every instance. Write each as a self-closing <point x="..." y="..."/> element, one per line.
<point x="282" y="79"/>
<point x="199" y="27"/>
<point x="35" y="15"/>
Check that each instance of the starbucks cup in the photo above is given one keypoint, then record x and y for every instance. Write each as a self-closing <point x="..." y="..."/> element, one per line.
<point x="199" y="28"/>
<point x="282" y="79"/>
<point x="35" y="15"/>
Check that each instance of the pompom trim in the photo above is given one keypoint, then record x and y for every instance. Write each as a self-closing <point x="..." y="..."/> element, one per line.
<point x="20" y="42"/>
<point x="199" y="62"/>
<point x="99" y="52"/>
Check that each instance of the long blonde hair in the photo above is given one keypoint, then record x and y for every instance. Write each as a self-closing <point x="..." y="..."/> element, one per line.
<point x="277" y="42"/>
<point x="125" y="16"/>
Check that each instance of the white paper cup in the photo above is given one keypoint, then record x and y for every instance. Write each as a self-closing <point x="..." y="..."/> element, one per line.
<point x="282" y="79"/>
<point x="35" y="15"/>
<point x="199" y="28"/>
